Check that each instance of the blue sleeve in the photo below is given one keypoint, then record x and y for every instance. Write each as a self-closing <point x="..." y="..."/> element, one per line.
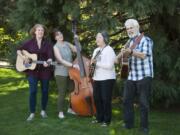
<point x="146" y="46"/>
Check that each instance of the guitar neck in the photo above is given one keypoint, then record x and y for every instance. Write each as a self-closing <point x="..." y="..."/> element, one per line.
<point x="42" y="62"/>
<point x="38" y="62"/>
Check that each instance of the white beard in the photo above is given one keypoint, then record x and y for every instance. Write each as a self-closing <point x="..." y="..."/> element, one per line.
<point x="133" y="33"/>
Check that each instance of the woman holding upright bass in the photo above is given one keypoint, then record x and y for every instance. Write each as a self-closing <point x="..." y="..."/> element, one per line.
<point x="44" y="50"/>
<point x="63" y="53"/>
<point x="103" y="78"/>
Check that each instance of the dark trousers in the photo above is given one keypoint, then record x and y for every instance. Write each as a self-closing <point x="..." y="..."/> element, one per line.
<point x="102" y="92"/>
<point x="33" y="85"/>
<point x="141" y="88"/>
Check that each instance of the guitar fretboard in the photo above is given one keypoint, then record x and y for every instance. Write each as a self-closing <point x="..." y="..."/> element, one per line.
<point x="42" y="62"/>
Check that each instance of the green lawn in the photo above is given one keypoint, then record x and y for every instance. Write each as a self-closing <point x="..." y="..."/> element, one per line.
<point x="14" y="111"/>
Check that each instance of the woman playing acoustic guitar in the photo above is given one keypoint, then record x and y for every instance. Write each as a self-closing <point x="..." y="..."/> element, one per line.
<point x="44" y="50"/>
<point x="104" y="78"/>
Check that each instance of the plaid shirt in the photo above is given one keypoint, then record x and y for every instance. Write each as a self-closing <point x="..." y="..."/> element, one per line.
<point x="140" y="68"/>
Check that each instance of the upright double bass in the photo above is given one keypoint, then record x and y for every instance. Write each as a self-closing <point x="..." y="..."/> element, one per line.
<point x="81" y="99"/>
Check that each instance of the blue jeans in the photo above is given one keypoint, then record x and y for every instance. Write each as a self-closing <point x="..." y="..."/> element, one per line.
<point x="33" y="85"/>
<point x="141" y="88"/>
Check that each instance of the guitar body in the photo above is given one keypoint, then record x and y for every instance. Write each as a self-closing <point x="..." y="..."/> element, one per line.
<point x="124" y="67"/>
<point x="124" y="70"/>
<point x="22" y="66"/>
<point x="92" y="69"/>
<point x="93" y="65"/>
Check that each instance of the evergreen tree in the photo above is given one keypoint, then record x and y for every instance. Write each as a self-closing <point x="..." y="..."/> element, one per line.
<point x="160" y="19"/>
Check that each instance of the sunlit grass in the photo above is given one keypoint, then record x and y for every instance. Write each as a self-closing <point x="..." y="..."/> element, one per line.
<point x="14" y="96"/>
<point x="11" y="81"/>
<point x="10" y="73"/>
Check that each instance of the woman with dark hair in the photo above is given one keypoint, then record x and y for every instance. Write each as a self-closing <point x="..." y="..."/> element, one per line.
<point x="104" y="78"/>
<point x="63" y="53"/>
<point x="43" y="49"/>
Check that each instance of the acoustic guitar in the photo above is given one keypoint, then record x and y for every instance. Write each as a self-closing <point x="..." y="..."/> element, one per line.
<point x="93" y="65"/>
<point x="124" y="58"/>
<point x="21" y="65"/>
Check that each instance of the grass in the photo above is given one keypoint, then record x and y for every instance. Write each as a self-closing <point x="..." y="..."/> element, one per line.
<point x="14" y="111"/>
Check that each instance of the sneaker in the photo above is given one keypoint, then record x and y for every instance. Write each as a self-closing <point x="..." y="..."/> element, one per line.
<point x="144" y="131"/>
<point x="71" y="111"/>
<point x="61" y="115"/>
<point x="94" y="121"/>
<point x="43" y="114"/>
<point x="104" y="125"/>
<point x="31" y="117"/>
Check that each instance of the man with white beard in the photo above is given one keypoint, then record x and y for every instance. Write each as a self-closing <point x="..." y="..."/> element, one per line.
<point x="140" y="61"/>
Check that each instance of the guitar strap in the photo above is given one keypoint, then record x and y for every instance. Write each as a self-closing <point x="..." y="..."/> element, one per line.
<point x="97" y="54"/>
<point x="137" y="41"/>
<point x="124" y="59"/>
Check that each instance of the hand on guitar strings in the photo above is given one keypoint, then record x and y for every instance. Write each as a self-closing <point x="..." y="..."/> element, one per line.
<point x="126" y="52"/>
<point x="93" y="61"/>
<point x="26" y="60"/>
<point x="129" y="51"/>
<point x="47" y="63"/>
<point x="122" y="51"/>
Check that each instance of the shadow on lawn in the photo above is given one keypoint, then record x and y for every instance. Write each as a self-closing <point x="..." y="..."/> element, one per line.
<point x="14" y="96"/>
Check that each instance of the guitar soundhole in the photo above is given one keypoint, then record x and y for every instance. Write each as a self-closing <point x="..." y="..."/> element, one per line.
<point x="124" y="71"/>
<point x="28" y="64"/>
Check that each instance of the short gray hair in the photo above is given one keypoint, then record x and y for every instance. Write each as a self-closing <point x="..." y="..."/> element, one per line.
<point x="132" y="22"/>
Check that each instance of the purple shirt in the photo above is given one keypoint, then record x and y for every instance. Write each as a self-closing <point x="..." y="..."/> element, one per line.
<point x="44" y="53"/>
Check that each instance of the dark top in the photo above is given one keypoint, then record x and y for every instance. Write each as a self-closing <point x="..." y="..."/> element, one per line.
<point x="44" y="53"/>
